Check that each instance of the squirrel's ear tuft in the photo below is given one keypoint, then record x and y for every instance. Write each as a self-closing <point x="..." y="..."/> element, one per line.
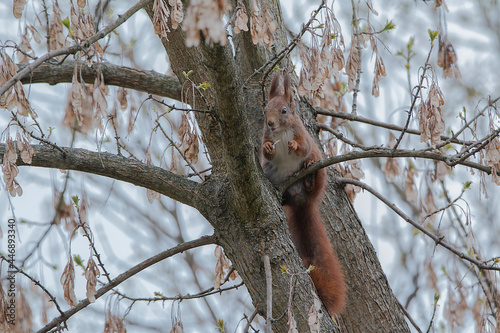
<point x="274" y="89"/>
<point x="288" y="87"/>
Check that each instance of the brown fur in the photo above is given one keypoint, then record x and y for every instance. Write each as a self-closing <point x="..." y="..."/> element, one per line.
<point x="280" y="160"/>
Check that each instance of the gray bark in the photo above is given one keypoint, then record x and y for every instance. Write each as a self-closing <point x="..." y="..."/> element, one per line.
<point x="142" y="80"/>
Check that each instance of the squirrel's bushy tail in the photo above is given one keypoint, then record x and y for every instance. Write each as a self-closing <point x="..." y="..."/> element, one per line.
<point x="314" y="247"/>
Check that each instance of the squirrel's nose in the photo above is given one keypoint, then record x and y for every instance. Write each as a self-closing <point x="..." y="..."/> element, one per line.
<point x="270" y="123"/>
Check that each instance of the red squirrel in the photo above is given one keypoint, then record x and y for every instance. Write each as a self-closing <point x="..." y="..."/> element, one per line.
<point x="287" y="148"/>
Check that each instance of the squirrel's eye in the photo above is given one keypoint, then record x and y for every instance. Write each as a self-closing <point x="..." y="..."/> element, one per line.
<point x="283" y="111"/>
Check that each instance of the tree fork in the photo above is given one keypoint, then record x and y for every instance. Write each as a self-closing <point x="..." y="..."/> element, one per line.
<point x="245" y="209"/>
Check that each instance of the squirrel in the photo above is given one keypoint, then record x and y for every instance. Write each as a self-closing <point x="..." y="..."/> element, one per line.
<point x="287" y="148"/>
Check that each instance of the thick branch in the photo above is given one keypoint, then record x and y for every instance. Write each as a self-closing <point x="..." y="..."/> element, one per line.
<point x="205" y="240"/>
<point x="383" y="152"/>
<point x="142" y="80"/>
<point x="116" y="167"/>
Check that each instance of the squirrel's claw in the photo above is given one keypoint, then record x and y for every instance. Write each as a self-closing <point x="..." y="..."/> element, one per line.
<point x="268" y="147"/>
<point x="293" y="146"/>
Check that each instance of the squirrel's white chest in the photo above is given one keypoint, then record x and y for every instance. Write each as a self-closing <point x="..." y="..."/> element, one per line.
<point x="283" y="165"/>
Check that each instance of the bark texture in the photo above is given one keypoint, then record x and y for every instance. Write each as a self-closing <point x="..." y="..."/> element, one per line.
<point x="371" y="305"/>
<point x="142" y="80"/>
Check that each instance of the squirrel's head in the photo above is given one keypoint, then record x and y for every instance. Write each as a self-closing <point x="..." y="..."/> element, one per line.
<point x="280" y="110"/>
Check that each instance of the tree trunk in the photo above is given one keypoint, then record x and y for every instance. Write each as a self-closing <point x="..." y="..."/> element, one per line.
<point x="244" y="208"/>
<point x="371" y="305"/>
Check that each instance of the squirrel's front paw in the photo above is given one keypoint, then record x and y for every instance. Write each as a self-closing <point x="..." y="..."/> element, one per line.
<point x="292" y="146"/>
<point x="268" y="147"/>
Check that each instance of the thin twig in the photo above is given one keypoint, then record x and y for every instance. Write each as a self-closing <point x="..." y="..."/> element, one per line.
<point x="117" y="138"/>
<point x="290" y="47"/>
<point x="249" y="322"/>
<point x="88" y="234"/>
<point x="436" y="298"/>
<point x="40" y="139"/>
<point x="173" y="107"/>
<point x="35" y="281"/>
<point x="483" y="143"/>
<point x="351" y="117"/>
<point x="277" y="58"/>
<point x="414" y="99"/>
<point x="467" y="124"/>
<point x="271" y="63"/>
<point x="358" y="70"/>
<point x="450" y="204"/>
<point x="290" y="299"/>
<point x="341" y="137"/>
<point x="233" y="17"/>
<point x="407" y="315"/>
<point x="206" y="292"/>
<point x="490" y="290"/>
<point x="201" y="294"/>
<point x="47" y="22"/>
<point x="191" y="166"/>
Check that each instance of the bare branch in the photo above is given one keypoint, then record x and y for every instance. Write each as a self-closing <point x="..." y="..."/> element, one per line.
<point x="341" y="137"/>
<point x="283" y="53"/>
<point x="491" y="103"/>
<point x="141" y="80"/>
<point x="205" y="240"/>
<point x="87" y="232"/>
<point x="74" y="48"/>
<point x="480" y="145"/>
<point x="433" y="313"/>
<point x="351" y="117"/>
<point x="30" y="133"/>
<point x="414" y="99"/>
<point x="173" y="107"/>
<point x="287" y="50"/>
<point x="358" y="48"/>
<point x="116" y="167"/>
<point x="201" y="294"/>
<point x="437" y="239"/>
<point x="410" y="319"/>
<point x="249" y="322"/>
<point x="35" y="281"/>
<point x="378" y="152"/>
<point x="176" y="147"/>
<point x="442" y="209"/>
